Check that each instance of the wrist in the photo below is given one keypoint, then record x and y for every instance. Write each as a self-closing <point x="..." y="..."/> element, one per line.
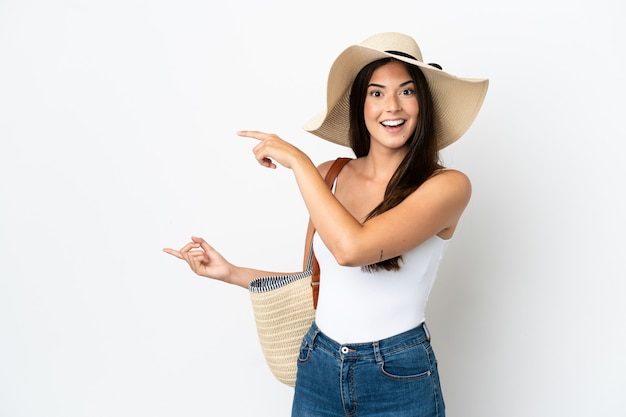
<point x="301" y="163"/>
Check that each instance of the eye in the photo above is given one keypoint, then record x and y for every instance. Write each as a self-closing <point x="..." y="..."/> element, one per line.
<point x="375" y="93"/>
<point x="407" y="92"/>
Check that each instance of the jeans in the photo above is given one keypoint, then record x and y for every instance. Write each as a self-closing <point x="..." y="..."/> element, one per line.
<point x="395" y="377"/>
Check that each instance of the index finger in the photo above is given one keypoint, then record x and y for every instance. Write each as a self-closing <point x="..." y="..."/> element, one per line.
<point x="255" y="134"/>
<point x="173" y="252"/>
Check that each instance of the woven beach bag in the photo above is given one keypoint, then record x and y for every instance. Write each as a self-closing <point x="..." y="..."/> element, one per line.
<point x="284" y="306"/>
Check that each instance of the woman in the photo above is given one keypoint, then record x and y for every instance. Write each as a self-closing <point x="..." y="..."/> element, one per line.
<point x="380" y="232"/>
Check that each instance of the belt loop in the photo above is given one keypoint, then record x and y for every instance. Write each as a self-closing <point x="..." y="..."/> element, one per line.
<point x="316" y="332"/>
<point x="377" y="355"/>
<point x="426" y="331"/>
<point x="311" y="335"/>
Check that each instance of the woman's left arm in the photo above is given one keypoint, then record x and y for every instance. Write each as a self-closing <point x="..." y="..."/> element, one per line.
<point x="434" y="208"/>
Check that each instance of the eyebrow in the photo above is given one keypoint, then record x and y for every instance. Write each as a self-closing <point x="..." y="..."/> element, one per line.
<point x="382" y="86"/>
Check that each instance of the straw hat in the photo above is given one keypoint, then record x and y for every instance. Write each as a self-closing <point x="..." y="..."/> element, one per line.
<point x="456" y="100"/>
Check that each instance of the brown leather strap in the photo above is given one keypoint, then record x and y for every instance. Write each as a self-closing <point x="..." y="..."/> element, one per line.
<point x="332" y="173"/>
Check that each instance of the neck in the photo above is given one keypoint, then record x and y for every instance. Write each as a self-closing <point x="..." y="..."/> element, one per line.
<point x="380" y="166"/>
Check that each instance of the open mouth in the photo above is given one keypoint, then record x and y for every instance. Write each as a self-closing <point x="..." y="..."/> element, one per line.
<point x="393" y="123"/>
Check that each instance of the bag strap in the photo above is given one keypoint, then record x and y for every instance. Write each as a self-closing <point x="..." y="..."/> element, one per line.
<point x="331" y="175"/>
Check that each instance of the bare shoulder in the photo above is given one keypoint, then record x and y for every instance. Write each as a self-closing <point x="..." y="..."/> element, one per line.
<point x="452" y="175"/>
<point x="443" y="198"/>
<point x="450" y="183"/>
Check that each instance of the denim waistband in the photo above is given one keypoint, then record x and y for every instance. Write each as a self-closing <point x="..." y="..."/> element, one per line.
<point x="416" y="336"/>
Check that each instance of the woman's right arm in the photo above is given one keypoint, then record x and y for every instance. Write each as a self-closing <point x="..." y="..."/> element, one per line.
<point x="207" y="262"/>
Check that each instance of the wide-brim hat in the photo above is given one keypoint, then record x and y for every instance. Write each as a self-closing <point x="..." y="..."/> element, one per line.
<point x="456" y="100"/>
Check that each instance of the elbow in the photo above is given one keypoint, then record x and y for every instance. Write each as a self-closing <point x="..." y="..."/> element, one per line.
<point x="346" y="261"/>
<point x="347" y="255"/>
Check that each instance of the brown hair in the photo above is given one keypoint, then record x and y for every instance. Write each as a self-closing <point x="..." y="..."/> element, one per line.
<point x="422" y="158"/>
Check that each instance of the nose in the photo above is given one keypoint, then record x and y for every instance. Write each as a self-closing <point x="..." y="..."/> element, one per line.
<point x="393" y="103"/>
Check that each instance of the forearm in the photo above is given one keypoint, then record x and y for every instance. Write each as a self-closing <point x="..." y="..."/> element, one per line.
<point x="335" y="225"/>
<point x="242" y="276"/>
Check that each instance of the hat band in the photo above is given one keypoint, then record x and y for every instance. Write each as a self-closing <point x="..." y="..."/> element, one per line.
<point x="403" y="54"/>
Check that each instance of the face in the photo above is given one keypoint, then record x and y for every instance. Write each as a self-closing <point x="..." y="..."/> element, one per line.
<point x="391" y="106"/>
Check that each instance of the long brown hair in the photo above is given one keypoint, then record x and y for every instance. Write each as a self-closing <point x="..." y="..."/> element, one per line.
<point x="422" y="158"/>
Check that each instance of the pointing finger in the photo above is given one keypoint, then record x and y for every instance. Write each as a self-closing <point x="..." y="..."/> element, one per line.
<point x="173" y="252"/>
<point x="254" y="134"/>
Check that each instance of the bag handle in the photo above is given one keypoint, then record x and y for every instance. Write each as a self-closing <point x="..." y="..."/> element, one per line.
<point x="309" y="256"/>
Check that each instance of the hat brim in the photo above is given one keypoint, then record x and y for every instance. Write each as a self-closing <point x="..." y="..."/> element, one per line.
<point x="456" y="100"/>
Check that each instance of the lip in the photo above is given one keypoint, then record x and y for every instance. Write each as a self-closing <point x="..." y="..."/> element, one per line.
<point x="393" y="128"/>
<point x="393" y="122"/>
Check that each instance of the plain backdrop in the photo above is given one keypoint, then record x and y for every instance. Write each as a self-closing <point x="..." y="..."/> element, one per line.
<point x="117" y="138"/>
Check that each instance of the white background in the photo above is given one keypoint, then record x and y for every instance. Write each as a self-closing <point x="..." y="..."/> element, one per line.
<point x="117" y="138"/>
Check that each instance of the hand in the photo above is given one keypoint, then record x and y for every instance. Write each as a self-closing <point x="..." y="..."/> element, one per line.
<point x="203" y="259"/>
<point x="271" y="147"/>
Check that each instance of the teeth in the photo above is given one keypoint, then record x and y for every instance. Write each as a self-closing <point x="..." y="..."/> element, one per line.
<point x="392" y="123"/>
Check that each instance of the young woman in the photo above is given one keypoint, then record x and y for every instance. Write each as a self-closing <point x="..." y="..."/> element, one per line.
<point x="380" y="232"/>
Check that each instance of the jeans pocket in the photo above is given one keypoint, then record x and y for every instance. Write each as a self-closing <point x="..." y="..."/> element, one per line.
<point x="413" y="362"/>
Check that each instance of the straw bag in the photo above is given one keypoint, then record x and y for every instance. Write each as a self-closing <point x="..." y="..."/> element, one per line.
<point x="284" y="306"/>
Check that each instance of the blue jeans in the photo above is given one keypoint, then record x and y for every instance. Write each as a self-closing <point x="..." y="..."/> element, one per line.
<point x="392" y="377"/>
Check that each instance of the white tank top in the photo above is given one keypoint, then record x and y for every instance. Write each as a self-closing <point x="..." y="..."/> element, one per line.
<point x="356" y="306"/>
